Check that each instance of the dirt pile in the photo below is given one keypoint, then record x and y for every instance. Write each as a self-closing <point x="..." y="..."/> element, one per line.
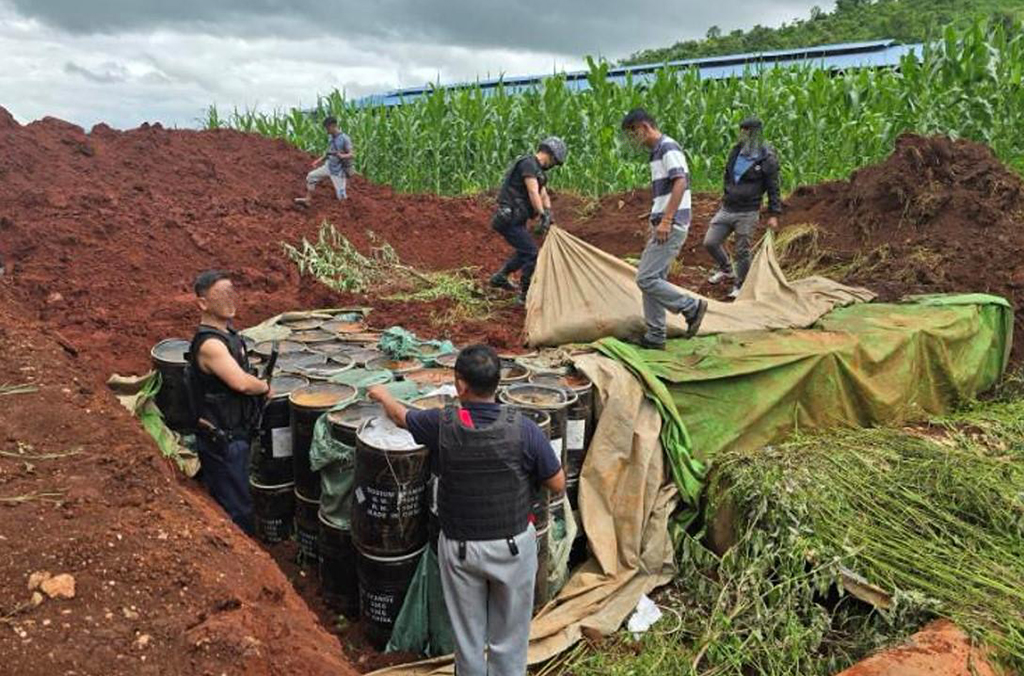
<point x="154" y="580"/>
<point x="937" y="216"/>
<point x="101" y="232"/>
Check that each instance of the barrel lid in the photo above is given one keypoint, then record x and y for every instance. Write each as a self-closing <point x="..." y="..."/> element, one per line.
<point x="342" y="326"/>
<point x="434" y="401"/>
<point x="304" y="324"/>
<point x="533" y="395"/>
<point x="321" y="395"/>
<point x="293" y="361"/>
<point x="283" y="347"/>
<point x="342" y="359"/>
<point x="171" y="350"/>
<point x="314" y="336"/>
<point x="353" y="415"/>
<point x="365" y="356"/>
<point x="513" y="371"/>
<point x="365" y="337"/>
<point x="397" y="365"/>
<point x="380" y="432"/>
<point x="284" y="384"/>
<point x="323" y="371"/>
<point x="332" y="348"/>
<point x="432" y="377"/>
<point x="575" y="380"/>
<point x="446" y="360"/>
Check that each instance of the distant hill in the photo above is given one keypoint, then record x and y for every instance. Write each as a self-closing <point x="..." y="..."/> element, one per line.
<point x="850" y="21"/>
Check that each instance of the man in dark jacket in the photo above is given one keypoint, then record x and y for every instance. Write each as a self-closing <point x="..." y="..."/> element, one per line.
<point x="751" y="171"/>
<point x="226" y="397"/>
<point x="523" y="196"/>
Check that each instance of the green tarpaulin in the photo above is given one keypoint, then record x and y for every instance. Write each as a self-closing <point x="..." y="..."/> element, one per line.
<point x="859" y="365"/>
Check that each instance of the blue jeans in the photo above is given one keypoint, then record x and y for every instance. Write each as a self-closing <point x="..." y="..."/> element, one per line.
<point x="652" y="278"/>
<point x="525" y="256"/>
<point x="225" y="472"/>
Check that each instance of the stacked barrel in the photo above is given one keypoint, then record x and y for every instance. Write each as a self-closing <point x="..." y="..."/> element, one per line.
<point x="366" y="559"/>
<point x="389" y="520"/>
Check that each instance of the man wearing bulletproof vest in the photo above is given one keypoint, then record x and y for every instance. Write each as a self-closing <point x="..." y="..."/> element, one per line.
<point x="489" y="459"/>
<point x="225" y="396"/>
<point x="523" y="196"/>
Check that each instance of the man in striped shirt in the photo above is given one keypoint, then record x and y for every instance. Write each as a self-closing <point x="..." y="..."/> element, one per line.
<point x="670" y="223"/>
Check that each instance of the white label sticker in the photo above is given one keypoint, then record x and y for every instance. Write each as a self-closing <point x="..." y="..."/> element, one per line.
<point x="281" y="442"/>
<point x="575" y="434"/>
<point x="557" y="445"/>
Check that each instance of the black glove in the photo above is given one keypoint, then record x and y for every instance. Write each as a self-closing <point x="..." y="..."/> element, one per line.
<point x="544" y="223"/>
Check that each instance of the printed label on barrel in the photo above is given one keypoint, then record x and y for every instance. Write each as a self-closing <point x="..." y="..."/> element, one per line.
<point x="272" y="530"/>
<point x="575" y="434"/>
<point x="307" y="544"/>
<point x="380" y="606"/>
<point x="557" y="445"/>
<point x="281" y="442"/>
<point x="392" y="504"/>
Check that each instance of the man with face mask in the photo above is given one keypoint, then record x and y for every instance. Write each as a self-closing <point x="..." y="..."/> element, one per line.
<point x="226" y="398"/>
<point x="523" y="196"/>
<point x="751" y="171"/>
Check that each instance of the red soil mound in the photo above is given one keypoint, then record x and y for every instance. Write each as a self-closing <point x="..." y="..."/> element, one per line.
<point x="937" y="216"/>
<point x="101" y="234"/>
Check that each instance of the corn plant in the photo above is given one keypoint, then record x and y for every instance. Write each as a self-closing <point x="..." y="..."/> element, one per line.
<point x="823" y="124"/>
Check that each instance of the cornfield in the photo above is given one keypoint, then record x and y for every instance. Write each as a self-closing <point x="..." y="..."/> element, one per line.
<point x="824" y="125"/>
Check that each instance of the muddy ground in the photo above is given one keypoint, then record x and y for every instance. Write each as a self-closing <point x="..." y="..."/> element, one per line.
<point x="100" y="236"/>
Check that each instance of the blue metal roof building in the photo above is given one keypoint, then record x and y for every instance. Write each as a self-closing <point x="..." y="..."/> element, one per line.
<point x="838" y="57"/>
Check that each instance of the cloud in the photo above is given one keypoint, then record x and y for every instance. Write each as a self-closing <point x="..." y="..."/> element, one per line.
<point x="606" y="27"/>
<point x="108" y="73"/>
<point x="128" y="61"/>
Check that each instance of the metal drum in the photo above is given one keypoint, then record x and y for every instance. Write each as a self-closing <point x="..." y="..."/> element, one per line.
<point x="306" y="405"/>
<point x="272" y="460"/>
<point x="579" y="418"/>
<point x="389" y="515"/>
<point x="338" y="578"/>
<point x="553" y="400"/>
<point x="168" y="358"/>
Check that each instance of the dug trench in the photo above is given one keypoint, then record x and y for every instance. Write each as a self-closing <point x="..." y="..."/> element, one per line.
<point x="98" y="252"/>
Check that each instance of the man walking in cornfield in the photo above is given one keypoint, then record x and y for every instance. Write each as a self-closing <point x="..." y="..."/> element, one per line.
<point x="751" y="171"/>
<point x="669" y="225"/>
<point x="335" y="164"/>
<point x="523" y="196"/>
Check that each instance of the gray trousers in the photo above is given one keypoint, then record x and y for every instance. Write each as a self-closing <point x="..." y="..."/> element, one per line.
<point x="489" y="595"/>
<point x="652" y="278"/>
<point x="722" y="225"/>
<point x="322" y="172"/>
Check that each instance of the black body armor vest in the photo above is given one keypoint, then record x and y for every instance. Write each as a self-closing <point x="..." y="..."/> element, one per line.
<point x="231" y="412"/>
<point x="484" y="492"/>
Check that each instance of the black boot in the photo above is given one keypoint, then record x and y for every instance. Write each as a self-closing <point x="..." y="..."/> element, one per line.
<point x="500" y="281"/>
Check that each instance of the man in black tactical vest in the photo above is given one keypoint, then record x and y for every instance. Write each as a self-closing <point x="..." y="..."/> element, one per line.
<point x="225" y="396"/>
<point x="523" y="196"/>
<point x="488" y="459"/>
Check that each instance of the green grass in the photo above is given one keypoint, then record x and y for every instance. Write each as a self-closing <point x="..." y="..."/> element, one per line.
<point x="932" y="514"/>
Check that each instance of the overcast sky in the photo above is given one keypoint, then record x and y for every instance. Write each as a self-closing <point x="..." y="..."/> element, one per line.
<point x="125" y="62"/>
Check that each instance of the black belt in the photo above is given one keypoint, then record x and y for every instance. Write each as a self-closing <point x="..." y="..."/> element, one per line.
<point x="513" y="548"/>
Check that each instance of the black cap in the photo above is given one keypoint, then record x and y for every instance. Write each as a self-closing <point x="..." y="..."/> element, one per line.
<point x="751" y="122"/>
